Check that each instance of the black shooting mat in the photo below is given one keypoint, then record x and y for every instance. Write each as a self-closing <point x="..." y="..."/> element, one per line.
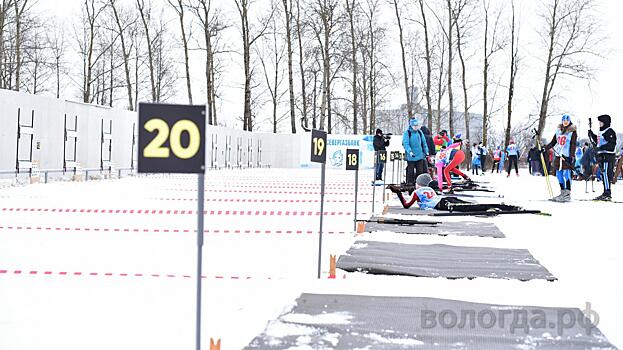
<point x="327" y="321"/>
<point x="455" y="228"/>
<point x="441" y="260"/>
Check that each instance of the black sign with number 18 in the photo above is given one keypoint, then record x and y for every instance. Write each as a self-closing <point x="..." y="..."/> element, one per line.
<point x="352" y="159"/>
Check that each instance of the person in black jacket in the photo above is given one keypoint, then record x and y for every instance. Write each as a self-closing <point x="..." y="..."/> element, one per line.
<point x="379" y="143"/>
<point x="606" y="142"/>
<point x="431" y="147"/>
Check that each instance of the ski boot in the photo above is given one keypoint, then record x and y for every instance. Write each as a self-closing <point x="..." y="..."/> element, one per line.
<point x="564" y="197"/>
<point x="605" y="197"/>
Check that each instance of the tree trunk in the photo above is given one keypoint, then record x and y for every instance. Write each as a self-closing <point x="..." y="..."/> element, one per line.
<point x="450" y="97"/>
<point x="180" y="13"/>
<point x="511" y="85"/>
<point x="288" y="12"/>
<point x="125" y="54"/>
<point x="548" y="69"/>
<point x="463" y="82"/>
<point x="429" y="105"/>
<point x="364" y="91"/>
<point x="150" y="53"/>
<point x="18" y="44"/>
<point x="350" y="8"/>
<point x="485" y="83"/>
<point x="302" y="69"/>
<point x="404" y="63"/>
<point x="58" y="77"/>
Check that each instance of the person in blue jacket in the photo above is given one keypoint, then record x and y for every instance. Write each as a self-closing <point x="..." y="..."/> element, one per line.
<point x="416" y="150"/>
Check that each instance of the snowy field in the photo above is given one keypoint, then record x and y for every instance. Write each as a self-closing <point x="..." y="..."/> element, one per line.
<point x="111" y="264"/>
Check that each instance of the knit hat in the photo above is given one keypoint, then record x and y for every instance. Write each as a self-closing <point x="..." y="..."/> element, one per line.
<point x="379" y="131"/>
<point x="423" y="180"/>
<point x="413" y="122"/>
<point x="566" y="117"/>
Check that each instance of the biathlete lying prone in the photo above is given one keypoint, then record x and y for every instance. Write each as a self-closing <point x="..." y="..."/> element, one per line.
<point x="427" y="198"/>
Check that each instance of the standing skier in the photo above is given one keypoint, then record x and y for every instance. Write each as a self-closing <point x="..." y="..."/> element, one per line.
<point x="564" y="143"/>
<point x="496" y="160"/>
<point x="606" y="142"/>
<point x="475" y="159"/>
<point x="416" y="150"/>
<point x="513" y="156"/>
<point x="482" y="154"/>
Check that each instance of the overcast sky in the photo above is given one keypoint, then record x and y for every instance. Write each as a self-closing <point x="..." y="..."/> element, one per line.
<point x="581" y="99"/>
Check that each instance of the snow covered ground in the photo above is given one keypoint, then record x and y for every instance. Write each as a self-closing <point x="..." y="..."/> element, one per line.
<point x="111" y="264"/>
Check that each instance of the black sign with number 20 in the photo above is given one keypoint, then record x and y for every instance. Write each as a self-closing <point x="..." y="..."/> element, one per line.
<point x="171" y="139"/>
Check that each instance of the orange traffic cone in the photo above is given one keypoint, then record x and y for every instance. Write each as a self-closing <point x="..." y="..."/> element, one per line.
<point x="332" y="266"/>
<point x="215" y="346"/>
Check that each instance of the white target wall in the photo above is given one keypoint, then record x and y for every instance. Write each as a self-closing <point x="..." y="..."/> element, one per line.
<point x="105" y="137"/>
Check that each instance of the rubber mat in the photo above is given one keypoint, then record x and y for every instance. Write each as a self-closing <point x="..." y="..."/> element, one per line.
<point x="440" y="260"/>
<point x="455" y="228"/>
<point x="325" y="321"/>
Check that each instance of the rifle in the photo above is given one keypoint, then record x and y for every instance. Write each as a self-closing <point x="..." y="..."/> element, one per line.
<point x="401" y="222"/>
<point x="491" y="213"/>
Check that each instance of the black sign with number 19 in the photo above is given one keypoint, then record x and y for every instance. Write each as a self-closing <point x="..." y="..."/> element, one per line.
<point x="318" y="146"/>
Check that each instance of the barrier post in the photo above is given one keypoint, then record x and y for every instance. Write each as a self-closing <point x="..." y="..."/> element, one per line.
<point x="352" y="163"/>
<point x="319" y="155"/>
<point x="171" y="122"/>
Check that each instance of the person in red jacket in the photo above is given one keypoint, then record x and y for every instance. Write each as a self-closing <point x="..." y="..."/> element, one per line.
<point x="441" y="140"/>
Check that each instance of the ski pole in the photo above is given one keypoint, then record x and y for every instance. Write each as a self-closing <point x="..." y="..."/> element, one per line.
<point x="549" y="185"/>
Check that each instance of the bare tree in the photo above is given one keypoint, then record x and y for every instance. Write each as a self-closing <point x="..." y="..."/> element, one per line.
<point x="179" y="9"/>
<point x="91" y="12"/>
<point x="451" y="23"/>
<point x="351" y="12"/>
<point x="145" y="13"/>
<point x="165" y="74"/>
<point x="376" y="34"/>
<point x="299" y="35"/>
<point x="5" y="6"/>
<point x="123" y="22"/>
<point x="429" y="70"/>
<point x="571" y="36"/>
<point x="327" y="12"/>
<point x="513" y="73"/>
<point x="288" y="11"/>
<point x="491" y="45"/>
<point x="210" y="21"/>
<point x="272" y="75"/>
<point x="56" y="43"/>
<point x="462" y="23"/>
<point x="20" y="6"/>
<point x="404" y="62"/>
<point x="249" y="37"/>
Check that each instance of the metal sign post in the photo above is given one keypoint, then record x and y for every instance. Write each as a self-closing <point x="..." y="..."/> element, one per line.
<point x="376" y="161"/>
<point x="319" y="155"/>
<point x="352" y="163"/>
<point x="171" y="139"/>
<point x="383" y="160"/>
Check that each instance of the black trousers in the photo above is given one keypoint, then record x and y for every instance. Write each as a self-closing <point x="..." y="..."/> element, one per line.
<point x="414" y="169"/>
<point x="459" y="205"/>
<point x="606" y="164"/>
<point x="496" y="166"/>
<point x="483" y="163"/>
<point x="512" y="160"/>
